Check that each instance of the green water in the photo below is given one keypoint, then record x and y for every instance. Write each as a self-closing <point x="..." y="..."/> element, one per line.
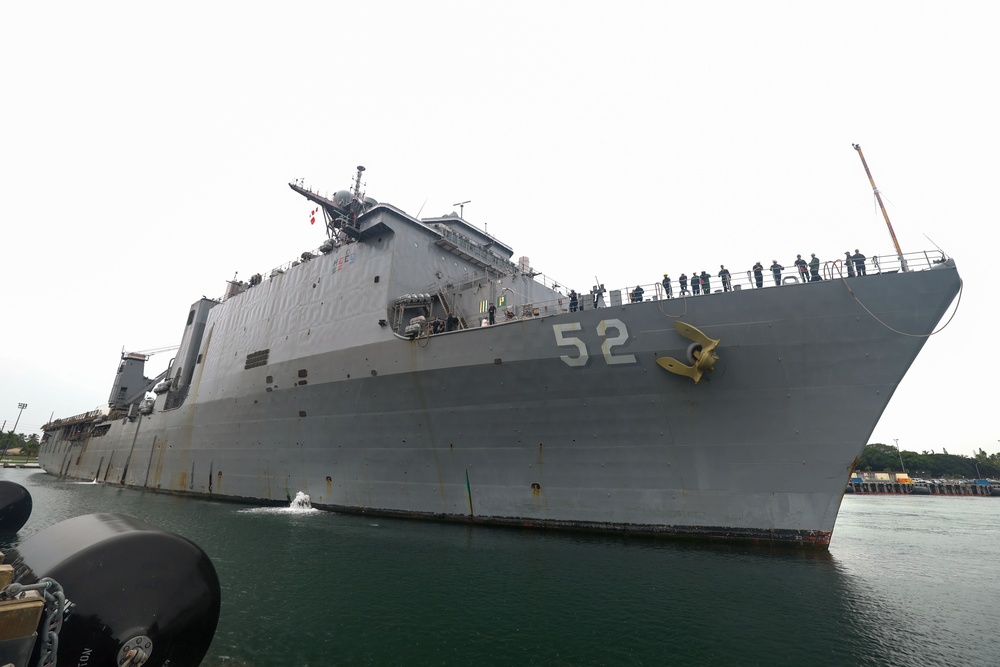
<point x="907" y="580"/>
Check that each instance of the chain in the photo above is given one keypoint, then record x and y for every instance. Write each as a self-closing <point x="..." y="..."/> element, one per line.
<point x="56" y="608"/>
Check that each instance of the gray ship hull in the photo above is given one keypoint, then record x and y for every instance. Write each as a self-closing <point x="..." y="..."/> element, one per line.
<point x="558" y="421"/>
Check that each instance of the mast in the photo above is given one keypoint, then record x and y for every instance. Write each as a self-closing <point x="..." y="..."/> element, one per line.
<point x="878" y="196"/>
<point x="357" y="196"/>
<point x="340" y="210"/>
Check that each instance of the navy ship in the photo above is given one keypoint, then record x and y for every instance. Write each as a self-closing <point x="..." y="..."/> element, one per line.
<point x="371" y="374"/>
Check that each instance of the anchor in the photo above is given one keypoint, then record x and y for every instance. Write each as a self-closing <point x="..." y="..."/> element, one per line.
<point x="701" y="352"/>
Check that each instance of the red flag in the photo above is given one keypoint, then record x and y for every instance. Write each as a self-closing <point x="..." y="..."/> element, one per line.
<point x="312" y="219"/>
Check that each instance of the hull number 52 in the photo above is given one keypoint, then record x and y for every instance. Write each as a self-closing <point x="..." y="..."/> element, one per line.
<point x="610" y="342"/>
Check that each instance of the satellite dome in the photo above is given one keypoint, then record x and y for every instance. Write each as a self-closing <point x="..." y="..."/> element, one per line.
<point x="342" y="199"/>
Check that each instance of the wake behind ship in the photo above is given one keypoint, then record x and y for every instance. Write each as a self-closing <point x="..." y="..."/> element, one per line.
<point x="367" y="375"/>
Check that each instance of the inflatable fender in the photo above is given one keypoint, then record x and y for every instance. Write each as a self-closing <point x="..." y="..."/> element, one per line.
<point x="131" y="589"/>
<point x="15" y="507"/>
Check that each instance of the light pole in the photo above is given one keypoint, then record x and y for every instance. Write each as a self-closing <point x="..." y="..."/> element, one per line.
<point x="21" y="407"/>
<point x="6" y="442"/>
<point x="896" y="440"/>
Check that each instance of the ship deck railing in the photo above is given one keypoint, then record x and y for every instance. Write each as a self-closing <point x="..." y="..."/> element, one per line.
<point x="745" y="280"/>
<point x="739" y="280"/>
<point x="830" y="270"/>
<point x="515" y="310"/>
<point x="81" y="418"/>
<point x="473" y="252"/>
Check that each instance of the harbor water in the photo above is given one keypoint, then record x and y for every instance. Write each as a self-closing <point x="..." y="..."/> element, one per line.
<point x="907" y="580"/>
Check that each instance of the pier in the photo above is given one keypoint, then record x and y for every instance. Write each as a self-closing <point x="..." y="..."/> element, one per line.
<point x="902" y="484"/>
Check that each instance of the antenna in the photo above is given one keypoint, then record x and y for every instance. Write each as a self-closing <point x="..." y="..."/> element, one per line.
<point x="357" y="182"/>
<point x="935" y="245"/>
<point x="357" y="205"/>
<point x="461" y="208"/>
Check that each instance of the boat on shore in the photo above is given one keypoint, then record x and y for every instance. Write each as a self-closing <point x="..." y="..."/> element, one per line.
<point x="368" y="374"/>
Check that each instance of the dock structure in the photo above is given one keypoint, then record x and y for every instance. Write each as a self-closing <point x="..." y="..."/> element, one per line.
<point x="902" y="484"/>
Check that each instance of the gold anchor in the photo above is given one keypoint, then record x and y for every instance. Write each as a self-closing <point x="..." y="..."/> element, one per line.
<point x="702" y="353"/>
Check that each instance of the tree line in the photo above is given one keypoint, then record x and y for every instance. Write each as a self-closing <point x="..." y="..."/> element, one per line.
<point x="879" y="457"/>
<point x="24" y="445"/>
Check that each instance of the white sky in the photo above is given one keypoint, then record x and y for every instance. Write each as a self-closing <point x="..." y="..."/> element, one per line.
<point x="146" y="150"/>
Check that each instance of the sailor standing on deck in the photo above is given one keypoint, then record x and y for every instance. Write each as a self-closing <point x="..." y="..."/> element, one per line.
<point x="573" y="301"/>
<point x="596" y="294"/>
<point x="859" y="262"/>
<point x="727" y="284"/>
<point x="776" y="270"/>
<point x="814" y="268"/>
<point x="803" y="268"/>
<point x="683" y="280"/>
<point x="758" y="274"/>
<point x="666" y="286"/>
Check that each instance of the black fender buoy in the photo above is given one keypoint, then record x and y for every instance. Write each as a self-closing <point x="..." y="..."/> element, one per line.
<point x="134" y="591"/>
<point x="15" y="507"/>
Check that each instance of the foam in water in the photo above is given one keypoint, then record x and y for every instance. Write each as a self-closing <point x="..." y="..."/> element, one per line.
<point x="301" y="504"/>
